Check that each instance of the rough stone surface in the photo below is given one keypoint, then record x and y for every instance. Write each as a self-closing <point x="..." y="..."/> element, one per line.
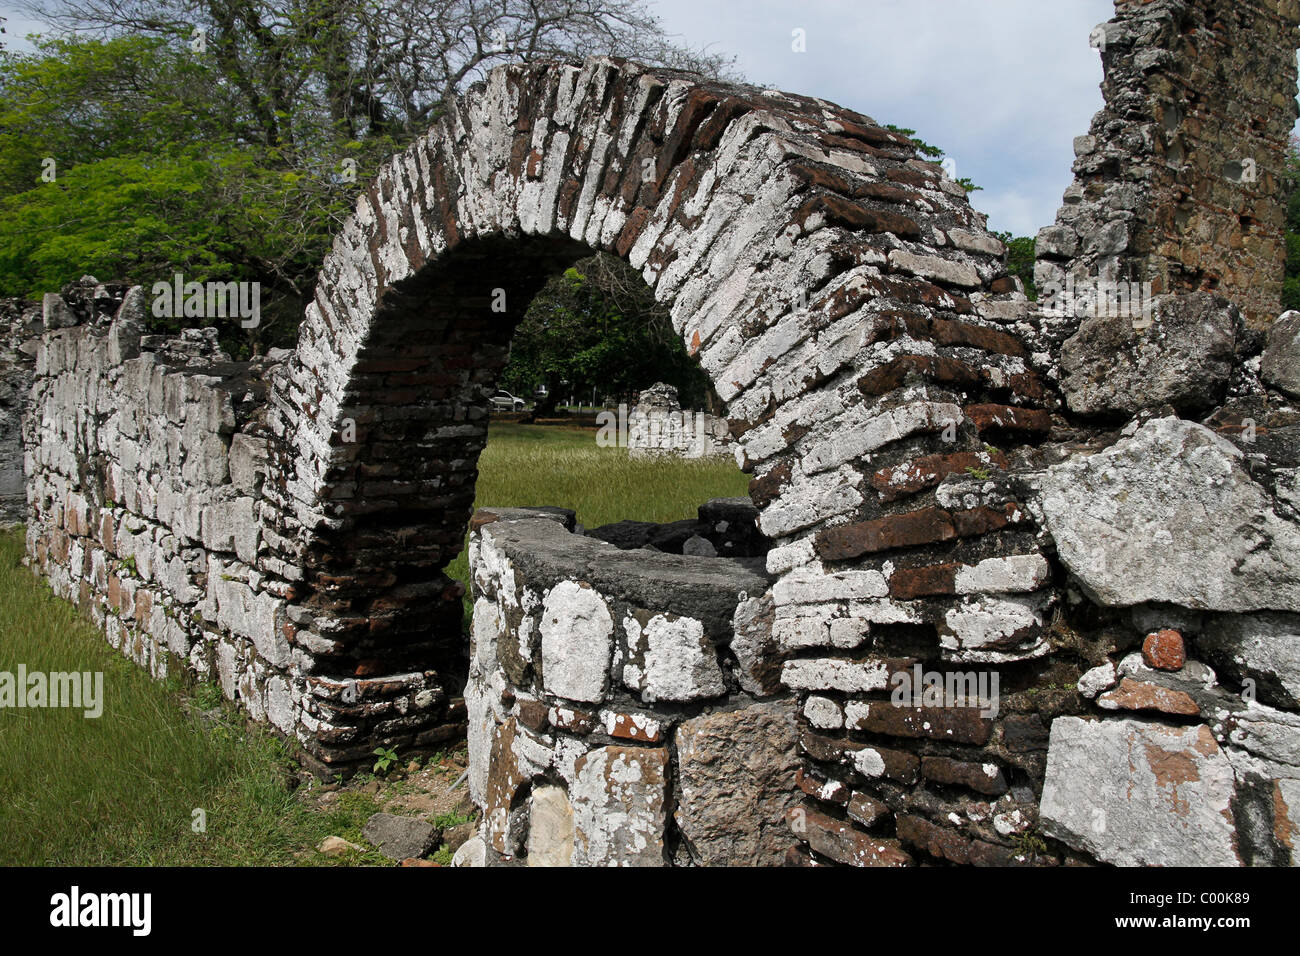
<point x="1138" y="794"/>
<point x="736" y="771"/>
<point x="1280" y="366"/>
<point x="550" y="827"/>
<point x="400" y="838"/>
<point x="1170" y="186"/>
<point x="670" y="659"/>
<point x="619" y="796"/>
<point x="1262" y="647"/>
<point x="1183" y="358"/>
<point x="1171" y="515"/>
<point x="577" y="638"/>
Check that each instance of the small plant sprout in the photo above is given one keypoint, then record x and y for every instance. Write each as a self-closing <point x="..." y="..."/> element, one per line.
<point x="386" y="757"/>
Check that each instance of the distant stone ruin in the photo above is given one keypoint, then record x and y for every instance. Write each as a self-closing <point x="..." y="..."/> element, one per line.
<point x="1021" y="581"/>
<point x="658" y="425"/>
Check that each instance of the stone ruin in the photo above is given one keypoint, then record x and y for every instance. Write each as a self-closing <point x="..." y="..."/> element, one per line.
<point x="658" y="425"/>
<point x="1019" y="583"/>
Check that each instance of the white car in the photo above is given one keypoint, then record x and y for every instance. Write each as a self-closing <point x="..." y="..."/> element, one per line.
<point x="503" y="400"/>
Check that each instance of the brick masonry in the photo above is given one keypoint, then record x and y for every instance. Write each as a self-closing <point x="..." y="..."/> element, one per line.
<point x="962" y="668"/>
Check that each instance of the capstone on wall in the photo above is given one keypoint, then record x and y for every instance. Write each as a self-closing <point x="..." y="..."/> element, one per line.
<point x="625" y="704"/>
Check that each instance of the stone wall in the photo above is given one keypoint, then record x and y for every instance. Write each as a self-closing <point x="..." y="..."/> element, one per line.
<point x="1030" y="585"/>
<point x="625" y="706"/>
<point x="146" y="507"/>
<point x="20" y="324"/>
<point x="658" y="425"/>
<point x="1180" y="181"/>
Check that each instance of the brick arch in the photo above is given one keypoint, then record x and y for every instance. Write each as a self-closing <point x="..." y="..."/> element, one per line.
<point x="820" y="270"/>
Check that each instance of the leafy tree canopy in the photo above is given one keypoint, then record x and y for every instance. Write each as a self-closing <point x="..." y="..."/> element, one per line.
<point x="227" y="139"/>
<point x="598" y="327"/>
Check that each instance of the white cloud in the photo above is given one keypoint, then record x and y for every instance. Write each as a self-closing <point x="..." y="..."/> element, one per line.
<point x="1003" y="85"/>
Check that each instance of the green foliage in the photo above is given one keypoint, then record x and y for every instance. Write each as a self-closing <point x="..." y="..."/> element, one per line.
<point x="157" y="171"/>
<point x="121" y="789"/>
<point x="931" y="152"/>
<point x="129" y="153"/>
<point x="445" y="821"/>
<point x="597" y="326"/>
<point x="387" y="757"/>
<point x="1020" y="260"/>
<point x="442" y="856"/>
<point x="1291" y="282"/>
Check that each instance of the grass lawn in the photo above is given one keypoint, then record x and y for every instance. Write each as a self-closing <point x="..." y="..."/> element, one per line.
<point x="527" y="465"/>
<point x="123" y="788"/>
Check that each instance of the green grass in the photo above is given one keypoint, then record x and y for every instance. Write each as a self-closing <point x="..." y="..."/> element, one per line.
<point x="121" y="789"/>
<point x="530" y="465"/>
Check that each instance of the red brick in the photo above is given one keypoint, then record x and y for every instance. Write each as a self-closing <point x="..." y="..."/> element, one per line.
<point x="866" y="810"/>
<point x="1140" y="695"/>
<point x="962" y="725"/>
<point x="908" y="583"/>
<point x="898" y="481"/>
<point x="1164" y="650"/>
<point x="844" y="212"/>
<point x="927" y="526"/>
<point x="898" y="764"/>
<point x="961" y="773"/>
<point x="843" y="842"/>
<point x="1009" y="418"/>
<point x="946" y="371"/>
<point x="976" y="521"/>
<point x="766" y="488"/>
<point x="935" y="840"/>
<point x="950" y="332"/>
<point x="817" y="786"/>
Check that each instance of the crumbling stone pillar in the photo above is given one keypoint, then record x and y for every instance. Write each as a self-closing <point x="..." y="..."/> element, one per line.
<point x="1181" y="179"/>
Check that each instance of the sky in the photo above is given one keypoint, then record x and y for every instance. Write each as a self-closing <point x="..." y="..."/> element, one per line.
<point x="1003" y="86"/>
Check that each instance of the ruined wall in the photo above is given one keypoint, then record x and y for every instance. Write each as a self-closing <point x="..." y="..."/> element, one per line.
<point x="1017" y="623"/>
<point x="20" y="323"/>
<point x="1180" y="180"/>
<point x="148" y="464"/>
<point x="657" y="425"/>
<point x="625" y="706"/>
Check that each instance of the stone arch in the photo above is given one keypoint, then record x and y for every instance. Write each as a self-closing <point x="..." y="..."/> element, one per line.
<point x="815" y="265"/>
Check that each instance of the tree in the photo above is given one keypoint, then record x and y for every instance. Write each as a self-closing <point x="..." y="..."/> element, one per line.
<point x="1291" y="282"/>
<point x="228" y="138"/>
<point x="366" y="68"/>
<point x="1020" y="259"/>
<point x="598" y="326"/>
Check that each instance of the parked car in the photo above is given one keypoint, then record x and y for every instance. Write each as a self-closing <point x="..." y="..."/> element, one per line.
<point x="504" y="401"/>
